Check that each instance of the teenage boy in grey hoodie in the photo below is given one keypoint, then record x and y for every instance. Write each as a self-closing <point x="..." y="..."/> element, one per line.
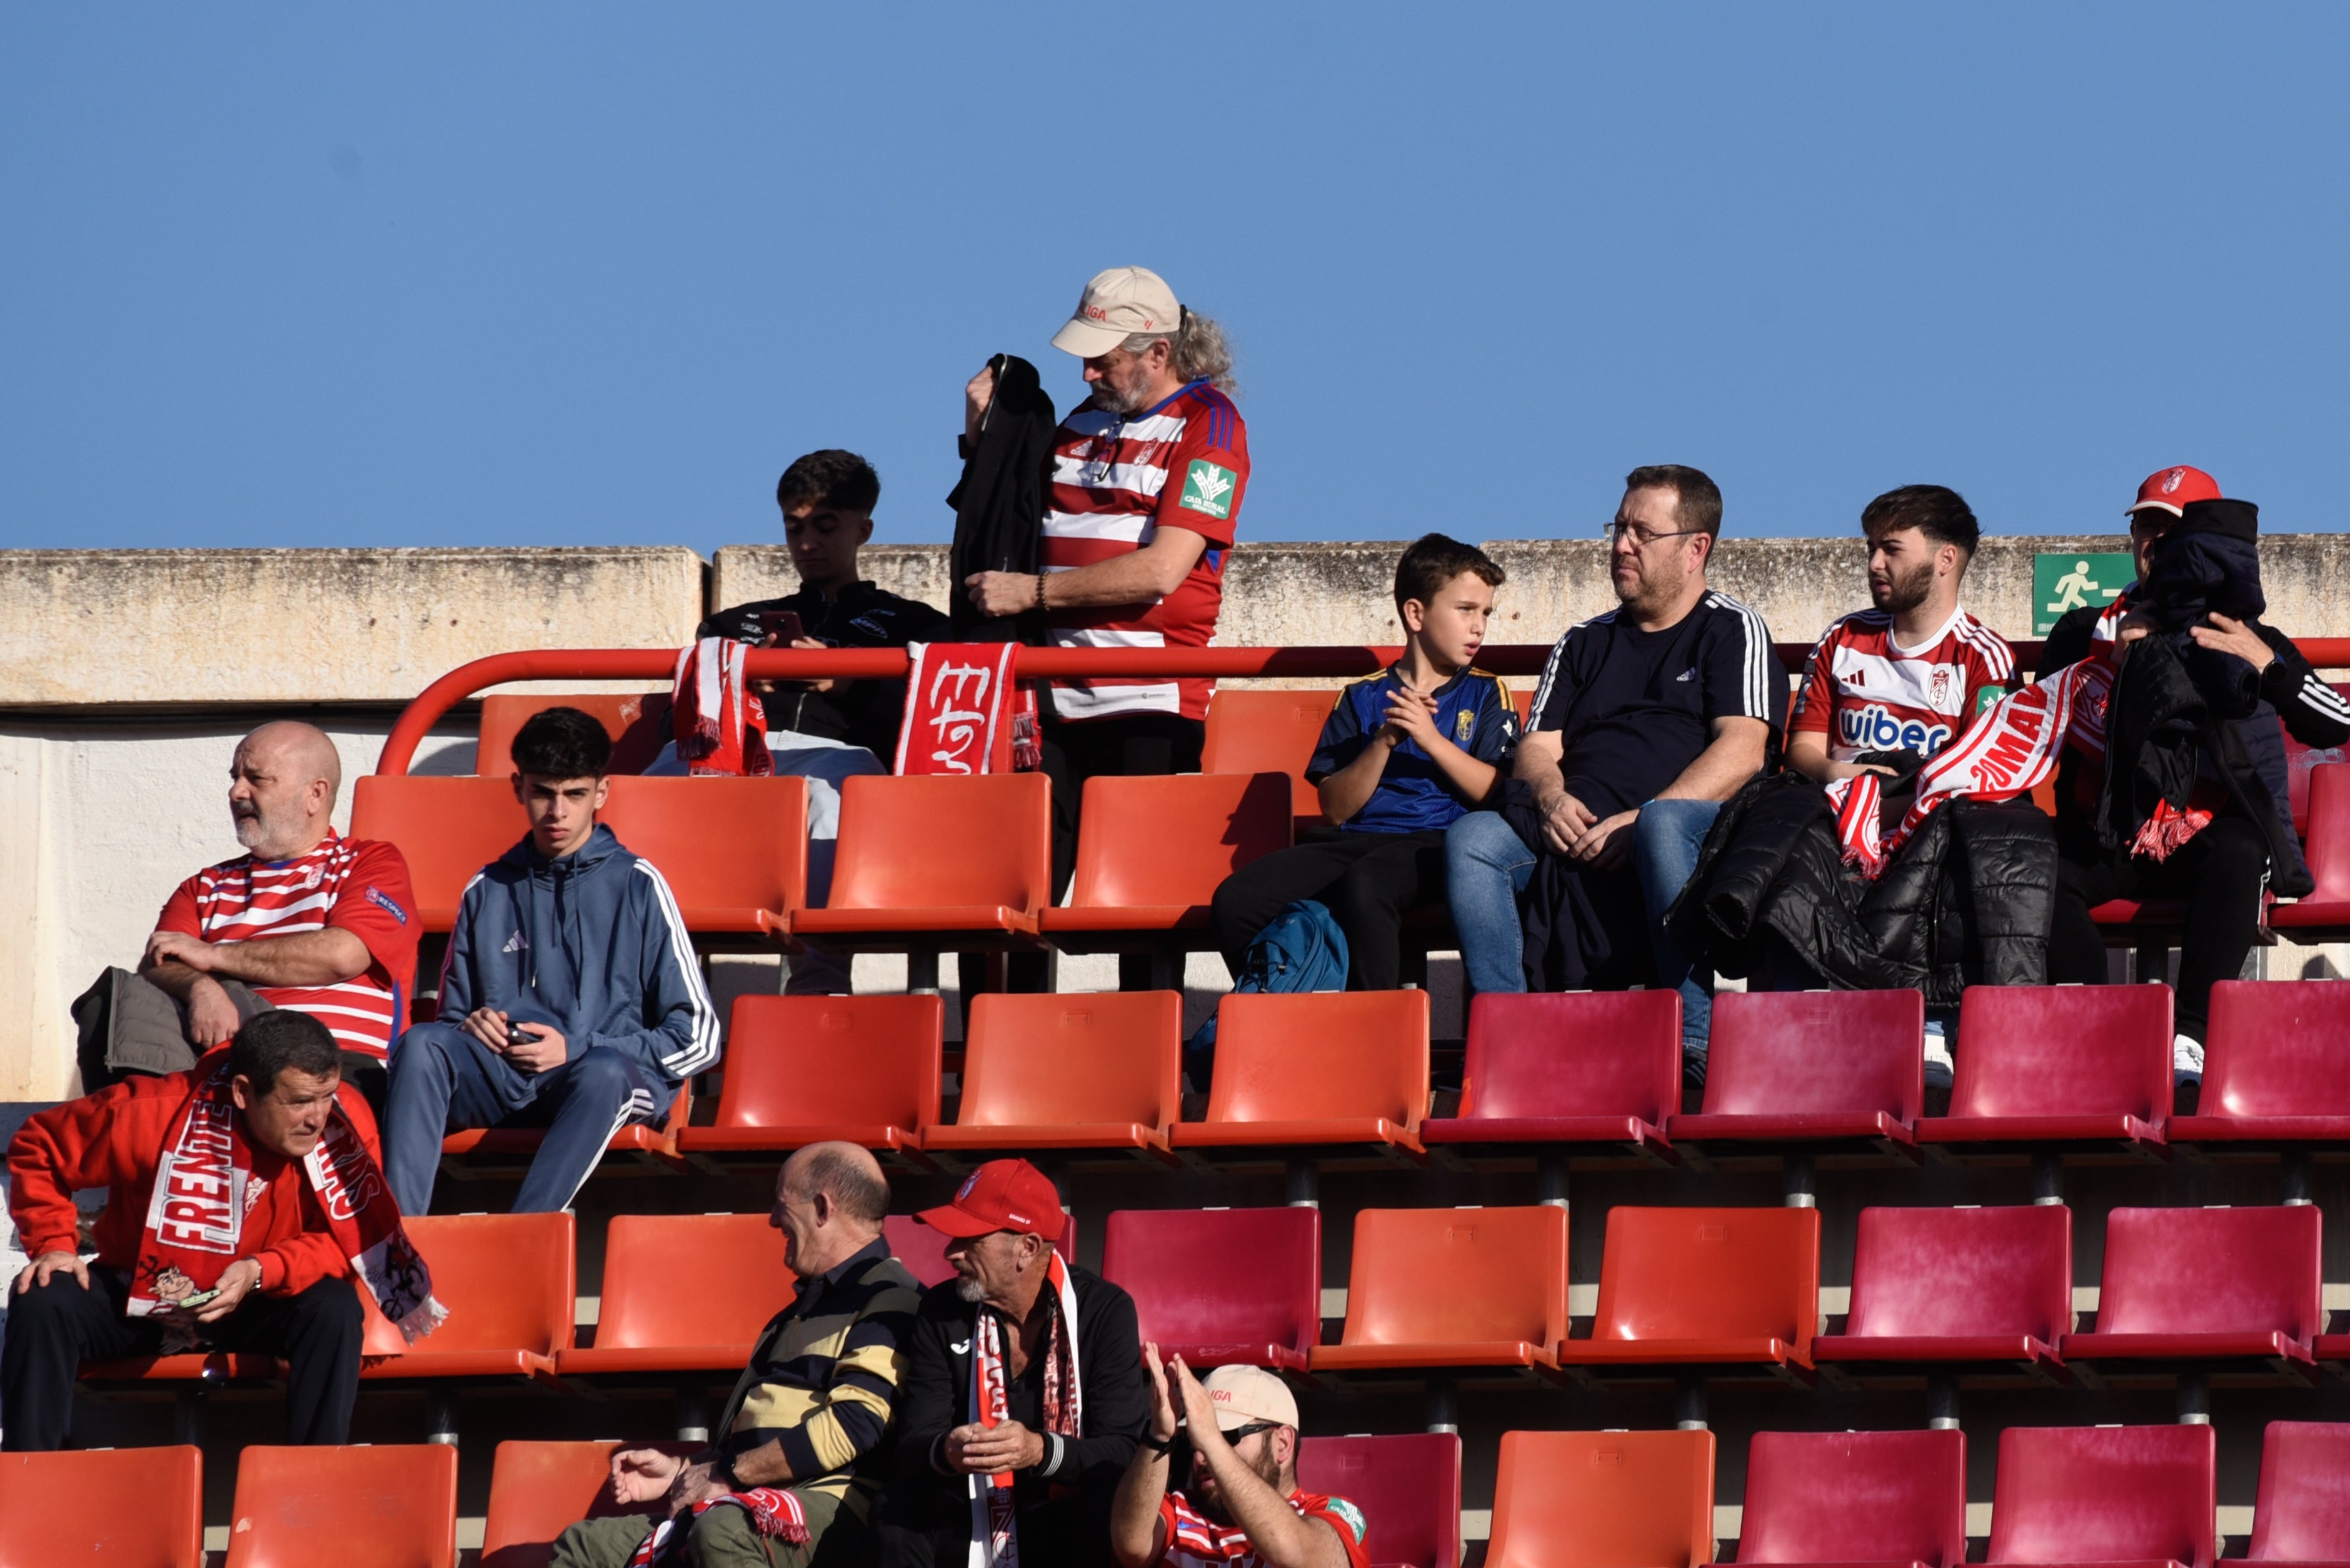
<point x="570" y="999"/>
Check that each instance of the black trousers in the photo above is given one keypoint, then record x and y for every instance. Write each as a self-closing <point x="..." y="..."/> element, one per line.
<point x="1140" y="744"/>
<point x="1365" y="879"/>
<point x="2219" y="872"/>
<point x="54" y="1328"/>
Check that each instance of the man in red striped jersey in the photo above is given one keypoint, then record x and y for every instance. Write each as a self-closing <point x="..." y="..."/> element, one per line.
<point x="307" y="920"/>
<point x="1141" y="508"/>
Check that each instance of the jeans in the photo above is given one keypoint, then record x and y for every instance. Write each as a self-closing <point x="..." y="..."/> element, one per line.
<point x="1664" y="845"/>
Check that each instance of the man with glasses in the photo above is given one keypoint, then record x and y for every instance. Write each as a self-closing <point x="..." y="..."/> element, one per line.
<point x="1647" y="719"/>
<point x="1245" y="1506"/>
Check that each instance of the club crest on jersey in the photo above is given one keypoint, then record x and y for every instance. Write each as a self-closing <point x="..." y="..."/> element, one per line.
<point x="1208" y="488"/>
<point x="1462" y="722"/>
<point x="1937" y="690"/>
<point x="1874" y="728"/>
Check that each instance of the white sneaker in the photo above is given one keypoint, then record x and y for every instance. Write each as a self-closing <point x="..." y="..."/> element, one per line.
<point x="1939" y="1068"/>
<point x="2186" y="1060"/>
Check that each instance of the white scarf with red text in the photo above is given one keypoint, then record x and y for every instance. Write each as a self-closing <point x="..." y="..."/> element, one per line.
<point x="995" y="1537"/>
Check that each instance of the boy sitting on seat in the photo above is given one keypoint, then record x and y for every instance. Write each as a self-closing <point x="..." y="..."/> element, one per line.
<point x="1404" y="753"/>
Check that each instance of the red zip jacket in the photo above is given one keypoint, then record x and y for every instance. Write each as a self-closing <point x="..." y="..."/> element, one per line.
<point x="114" y="1139"/>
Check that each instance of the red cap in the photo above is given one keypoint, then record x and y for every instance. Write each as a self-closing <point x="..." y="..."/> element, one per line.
<point x="2172" y="488"/>
<point x="1002" y="1195"/>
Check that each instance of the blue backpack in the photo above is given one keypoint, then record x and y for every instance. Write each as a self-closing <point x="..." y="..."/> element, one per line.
<point x="1302" y="949"/>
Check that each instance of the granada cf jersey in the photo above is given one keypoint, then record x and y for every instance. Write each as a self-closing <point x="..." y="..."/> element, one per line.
<point x="1116" y="480"/>
<point x="1867" y="695"/>
<point x="1193" y="1540"/>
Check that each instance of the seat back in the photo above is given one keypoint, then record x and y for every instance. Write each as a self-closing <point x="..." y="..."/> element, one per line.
<point x="2213" y="1271"/>
<point x="2063" y="1050"/>
<point x="2303" y="1513"/>
<point x="1169" y="839"/>
<point x="2101" y="1494"/>
<point x="690" y="1280"/>
<point x="1574" y="1054"/>
<point x="1458" y="1276"/>
<point x="1319" y="1054"/>
<point x="539" y="1490"/>
<point x="2300" y="763"/>
<point x="2278" y="1048"/>
<point x="2329" y="829"/>
<point x="1710" y="1273"/>
<point x="1057" y="1058"/>
<point x="1855" y="1497"/>
<point x="1268" y="731"/>
<point x="924" y="1250"/>
<point x="1953" y="1272"/>
<point x="726" y="847"/>
<point x="105" y="1507"/>
<point x="1406" y="1486"/>
<point x="385" y="1505"/>
<point x="942" y="839"/>
<point x="833" y="1061"/>
<point x="1167" y="1259"/>
<point x="637" y="722"/>
<point x="506" y="1279"/>
<point x="1793" y="1053"/>
<point x="447" y="829"/>
<point x="1603" y="1499"/>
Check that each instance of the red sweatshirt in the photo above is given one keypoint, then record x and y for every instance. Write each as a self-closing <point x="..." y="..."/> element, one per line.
<point x="114" y="1139"/>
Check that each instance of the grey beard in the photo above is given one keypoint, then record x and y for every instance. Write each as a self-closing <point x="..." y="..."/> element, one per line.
<point x="970" y="1291"/>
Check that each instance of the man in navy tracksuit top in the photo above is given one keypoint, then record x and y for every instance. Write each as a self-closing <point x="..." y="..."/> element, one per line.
<point x="571" y="999"/>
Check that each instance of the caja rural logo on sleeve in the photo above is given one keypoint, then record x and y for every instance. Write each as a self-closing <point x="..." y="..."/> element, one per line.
<point x="1208" y="488"/>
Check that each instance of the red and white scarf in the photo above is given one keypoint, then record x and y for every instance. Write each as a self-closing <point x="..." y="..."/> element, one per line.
<point x="203" y="1185"/>
<point x="721" y="729"/>
<point x="960" y="701"/>
<point x="775" y="1511"/>
<point x="995" y="1538"/>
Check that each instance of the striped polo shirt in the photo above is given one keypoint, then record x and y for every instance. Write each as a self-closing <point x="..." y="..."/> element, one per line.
<point x="824" y="1376"/>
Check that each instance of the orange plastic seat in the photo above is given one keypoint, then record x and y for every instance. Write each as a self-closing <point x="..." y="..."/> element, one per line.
<point x="637" y="722"/>
<point x="386" y="1505"/>
<point x="683" y="1292"/>
<point x="1454" y="1287"/>
<point x="1151" y="850"/>
<point x="1317" y="1067"/>
<point x="539" y="1490"/>
<point x="1269" y="731"/>
<point x="1705" y="1286"/>
<point x="1069" y="1070"/>
<point x="1603" y="1499"/>
<point x="733" y="851"/>
<point x="939" y="862"/>
<point x="447" y="829"/>
<point x="807" y="1069"/>
<point x="506" y="1279"/>
<point x="105" y="1507"/>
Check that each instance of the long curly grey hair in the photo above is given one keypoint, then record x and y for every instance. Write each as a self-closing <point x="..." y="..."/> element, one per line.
<point x="1198" y="348"/>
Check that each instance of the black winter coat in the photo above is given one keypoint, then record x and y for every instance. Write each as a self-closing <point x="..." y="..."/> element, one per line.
<point x="1000" y="500"/>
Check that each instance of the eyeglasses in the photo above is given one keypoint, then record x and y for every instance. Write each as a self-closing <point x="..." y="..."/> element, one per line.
<point x="1237" y="1433"/>
<point x="1642" y="536"/>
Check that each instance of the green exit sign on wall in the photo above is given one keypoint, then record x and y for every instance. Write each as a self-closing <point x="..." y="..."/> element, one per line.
<point x="2067" y="582"/>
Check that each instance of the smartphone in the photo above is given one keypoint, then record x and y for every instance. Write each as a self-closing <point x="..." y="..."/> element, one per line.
<point x="782" y="627"/>
<point x="522" y="1037"/>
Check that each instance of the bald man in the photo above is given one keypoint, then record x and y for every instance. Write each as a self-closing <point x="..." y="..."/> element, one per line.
<point x="305" y="919"/>
<point x="812" y="1414"/>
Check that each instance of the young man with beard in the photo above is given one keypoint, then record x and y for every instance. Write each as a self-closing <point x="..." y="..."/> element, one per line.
<point x="1244" y="1507"/>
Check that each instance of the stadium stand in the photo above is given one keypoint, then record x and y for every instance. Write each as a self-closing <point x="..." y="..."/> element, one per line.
<point x="538" y="1489"/>
<point x="1451" y="1288"/>
<point x="1407" y="1486"/>
<point x="2059" y="1064"/>
<point x="1045" y="1071"/>
<point x="1315" y="1070"/>
<point x="2105" y="1494"/>
<point x="1992" y="1286"/>
<point x="2200" y="1286"/>
<point x="66" y="1509"/>
<point x="1263" y="1308"/>
<point x="1716" y="1288"/>
<point x="1595" y="1069"/>
<point x="2302" y="1514"/>
<point x="1580" y="1500"/>
<point x="1855" y="1497"/>
<point x="1815" y="1069"/>
<point x="388" y="1505"/>
<point x="806" y="1069"/>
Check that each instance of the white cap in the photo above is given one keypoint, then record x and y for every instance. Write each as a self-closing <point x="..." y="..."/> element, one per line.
<point x="1115" y="305"/>
<point x="1245" y="1394"/>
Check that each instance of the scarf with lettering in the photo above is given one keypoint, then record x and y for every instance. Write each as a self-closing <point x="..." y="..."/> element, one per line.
<point x="721" y="728"/>
<point x="961" y="704"/>
<point x="775" y="1511"/>
<point x="995" y="1537"/>
<point x="203" y="1185"/>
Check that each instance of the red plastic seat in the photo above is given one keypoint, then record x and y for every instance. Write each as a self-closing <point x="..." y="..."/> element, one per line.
<point x="2303" y="1513"/>
<point x="1811" y="1067"/>
<point x="2196" y="1284"/>
<point x="924" y="1250"/>
<point x="2325" y="914"/>
<point x="105" y="1507"/>
<point x="1253" y="732"/>
<point x="937" y="861"/>
<point x="1603" y="1499"/>
<point x="637" y="722"/>
<point x="683" y="1292"/>
<point x="2105" y="1494"/>
<point x="2059" y="1064"/>
<point x="2300" y="761"/>
<point x="1151" y="850"/>
<point x="507" y="1281"/>
<point x="1573" y="1068"/>
<point x="1990" y="1285"/>
<point x="733" y="851"/>
<point x="1317" y="1067"/>
<point x="1452" y="1287"/>
<point x="1266" y="1314"/>
<point x="1407" y="1486"/>
<point x="807" y="1069"/>
<point x="2276" y="1067"/>
<point x="386" y="1505"/>
<point x="1098" y="1069"/>
<point x="1855" y="1497"/>
<point x="1704" y="1286"/>
<point x="447" y="829"/>
<point x="539" y="1490"/>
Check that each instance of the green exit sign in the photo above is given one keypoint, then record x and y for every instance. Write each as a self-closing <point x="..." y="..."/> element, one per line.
<point x="2067" y="582"/>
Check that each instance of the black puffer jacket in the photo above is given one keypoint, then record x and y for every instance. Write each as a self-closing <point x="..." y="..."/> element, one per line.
<point x="1966" y="901"/>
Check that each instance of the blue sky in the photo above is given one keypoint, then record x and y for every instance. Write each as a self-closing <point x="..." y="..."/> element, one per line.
<point x="532" y="274"/>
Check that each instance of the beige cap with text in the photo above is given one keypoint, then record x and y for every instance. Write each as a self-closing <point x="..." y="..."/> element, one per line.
<point x="1115" y="305"/>
<point x="1245" y="1394"/>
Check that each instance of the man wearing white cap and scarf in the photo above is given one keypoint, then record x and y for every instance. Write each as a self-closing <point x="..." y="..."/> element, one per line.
<point x="1244" y="1506"/>
<point x="1140" y="513"/>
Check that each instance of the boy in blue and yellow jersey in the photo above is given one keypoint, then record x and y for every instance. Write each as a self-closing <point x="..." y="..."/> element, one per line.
<point x="1404" y="754"/>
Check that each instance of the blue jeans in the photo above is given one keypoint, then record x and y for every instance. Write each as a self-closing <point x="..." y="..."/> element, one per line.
<point x="1664" y="845"/>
